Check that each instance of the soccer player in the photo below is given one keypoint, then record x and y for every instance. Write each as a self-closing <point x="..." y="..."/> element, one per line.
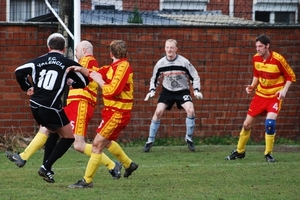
<point x="176" y="74"/>
<point x="49" y="78"/>
<point x="116" y="81"/>
<point x="272" y="77"/>
<point x="81" y="103"/>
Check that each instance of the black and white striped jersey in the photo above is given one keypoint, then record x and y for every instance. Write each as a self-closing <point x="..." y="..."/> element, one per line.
<point x="175" y="75"/>
<point x="47" y="75"/>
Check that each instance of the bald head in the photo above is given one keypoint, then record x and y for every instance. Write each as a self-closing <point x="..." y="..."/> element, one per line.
<point x="84" y="48"/>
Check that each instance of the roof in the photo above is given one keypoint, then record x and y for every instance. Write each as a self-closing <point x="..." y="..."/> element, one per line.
<point x="118" y="17"/>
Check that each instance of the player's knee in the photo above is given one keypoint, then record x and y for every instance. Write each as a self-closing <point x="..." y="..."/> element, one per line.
<point x="270" y="126"/>
<point x="78" y="146"/>
<point x="247" y="126"/>
<point x="190" y="112"/>
<point x="158" y="113"/>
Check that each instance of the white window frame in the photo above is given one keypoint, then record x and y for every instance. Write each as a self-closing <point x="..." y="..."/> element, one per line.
<point x="33" y="5"/>
<point x="199" y="5"/>
<point x="274" y="6"/>
<point x="117" y="3"/>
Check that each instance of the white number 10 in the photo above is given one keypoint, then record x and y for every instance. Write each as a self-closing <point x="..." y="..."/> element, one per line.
<point x="47" y="79"/>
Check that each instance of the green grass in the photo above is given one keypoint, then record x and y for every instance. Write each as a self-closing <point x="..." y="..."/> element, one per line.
<point x="166" y="172"/>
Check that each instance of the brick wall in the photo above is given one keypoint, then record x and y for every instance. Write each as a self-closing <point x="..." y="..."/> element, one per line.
<point x="3" y="14"/>
<point x="222" y="57"/>
<point x="222" y="5"/>
<point x="142" y="5"/>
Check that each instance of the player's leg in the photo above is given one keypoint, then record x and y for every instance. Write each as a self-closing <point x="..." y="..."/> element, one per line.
<point x="49" y="146"/>
<point x="80" y="113"/>
<point x="38" y="141"/>
<point x="118" y="152"/>
<point x="273" y="109"/>
<point x="94" y="162"/>
<point x="155" y="123"/>
<point x="59" y="123"/>
<point x="243" y="139"/>
<point x="190" y="124"/>
<point x="270" y="124"/>
<point x="245" y="134"/>
<point x="114" y="123"/>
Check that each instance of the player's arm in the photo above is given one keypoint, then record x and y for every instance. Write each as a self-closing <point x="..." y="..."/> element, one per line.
<point x="79" y="80"/>
<point x="22" y="74"/>
<point x="252" y="87"/>
<point x="282" y="93"/>
<point x="118" y="82"/>
<point x="156" y="75"/>
<point x="194" y="76"/>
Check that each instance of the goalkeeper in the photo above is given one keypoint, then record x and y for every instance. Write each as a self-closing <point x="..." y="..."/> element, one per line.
<point x="176" y="74"/>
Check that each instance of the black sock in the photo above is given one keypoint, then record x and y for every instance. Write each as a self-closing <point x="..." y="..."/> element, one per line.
<point x="59" y="150"/>
<point x="49" y="146"/>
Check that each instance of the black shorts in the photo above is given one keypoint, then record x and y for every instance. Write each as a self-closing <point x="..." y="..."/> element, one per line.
<point x="49" y="117"/>
<point x="169" y="98"/>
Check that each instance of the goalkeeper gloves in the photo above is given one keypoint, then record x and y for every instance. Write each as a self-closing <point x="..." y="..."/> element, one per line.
<point x="152" y="93"/>
<point x="198" y="94"/>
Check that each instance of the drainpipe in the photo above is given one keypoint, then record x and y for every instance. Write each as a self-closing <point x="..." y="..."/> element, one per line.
<point x="231" y="8"/>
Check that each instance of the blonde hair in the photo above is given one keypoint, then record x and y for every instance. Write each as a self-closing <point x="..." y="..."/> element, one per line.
<point x="172" y="41"/>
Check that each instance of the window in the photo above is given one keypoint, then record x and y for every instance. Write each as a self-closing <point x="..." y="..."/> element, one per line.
<point x="21" y="10"/>
<point x="276" y="11"/>
<point x="285" y="17"/>
<point x="262" y="16"/>
<point x="181" y="5"/>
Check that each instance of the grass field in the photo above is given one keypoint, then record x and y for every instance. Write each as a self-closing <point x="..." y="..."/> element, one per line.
<point x="171" y="172"/>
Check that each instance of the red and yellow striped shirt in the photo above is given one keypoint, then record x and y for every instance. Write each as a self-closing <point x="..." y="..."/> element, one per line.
<point x="89" y="93"/>
<point x="272" y="74"/>
<point x="117" y="92"/>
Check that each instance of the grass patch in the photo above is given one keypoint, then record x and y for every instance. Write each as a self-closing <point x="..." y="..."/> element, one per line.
<point x="166" y="172"/>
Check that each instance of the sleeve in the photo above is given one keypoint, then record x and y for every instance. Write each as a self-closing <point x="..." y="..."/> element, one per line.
<point x="22" y="74"/>
<point x="289" y="74"/>
<point x="118" y="82"/>
<point x="103" y="71"/>
<point x="154" y="78"/>
<point x="80" y="81"/>
<point x="194" y="77"/>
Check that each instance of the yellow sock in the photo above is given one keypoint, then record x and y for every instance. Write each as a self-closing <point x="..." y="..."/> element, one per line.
<point x="244" y="137"/>
<point x="88" y="149"/>
<point x="38" y="141"/>
<point x="107" y="162"/>
<point x="117" y="151"/>
<point x="269" y="139"/>
<point x="92" y="167"/>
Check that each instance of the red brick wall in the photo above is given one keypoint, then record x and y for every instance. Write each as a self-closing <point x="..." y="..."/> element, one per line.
<point x="86" y="5"/>
<point x="143" y="5"/>
<point x="222" y="5"/>
<point x="243" y="9"/>
<point x="3" y="14"/>
<point x="222" y="57"/>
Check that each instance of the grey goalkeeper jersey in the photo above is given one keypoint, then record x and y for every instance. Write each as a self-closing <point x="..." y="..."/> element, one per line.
<point x="175" y="75"/>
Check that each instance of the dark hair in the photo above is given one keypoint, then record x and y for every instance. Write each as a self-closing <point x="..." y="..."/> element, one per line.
<point x="118" y="48"/>
<point x="263" y="39"/>
<point x="56" y="41"/>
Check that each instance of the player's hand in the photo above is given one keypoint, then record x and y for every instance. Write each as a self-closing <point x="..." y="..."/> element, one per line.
<point x="70" y="81"/>
<point x="280" y="94"/>
<point x="74" y="68"/>
<point x="249" y="89"/>
<point x="30" y="91"/>
<point x="95" y="76"/>
<point x="150" y="95"/>
<point x="198" y="94"/>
